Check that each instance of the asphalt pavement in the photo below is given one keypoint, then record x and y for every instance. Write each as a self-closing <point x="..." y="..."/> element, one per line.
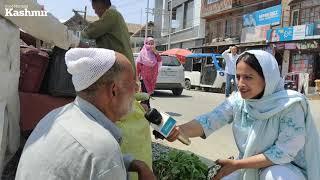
<point x="192" y="103"/>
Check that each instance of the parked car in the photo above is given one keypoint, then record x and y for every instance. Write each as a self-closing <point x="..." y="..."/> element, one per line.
<point x="171" y="75"/>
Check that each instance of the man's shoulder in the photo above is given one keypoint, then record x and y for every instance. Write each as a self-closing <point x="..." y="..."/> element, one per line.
<point x="68" y="135"/>
<point x="111" y="12"/>
<point x="87" y="132"/>
<point x="78" y="127"/>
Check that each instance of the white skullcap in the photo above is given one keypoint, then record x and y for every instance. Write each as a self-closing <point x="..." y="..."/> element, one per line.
<point x="87" y="65"/>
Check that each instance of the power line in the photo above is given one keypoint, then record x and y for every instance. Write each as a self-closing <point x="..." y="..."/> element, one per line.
<point x="126" y="4"/>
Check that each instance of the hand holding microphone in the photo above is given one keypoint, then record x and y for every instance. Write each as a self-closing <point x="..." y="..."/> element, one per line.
<point x="165" y="126"/>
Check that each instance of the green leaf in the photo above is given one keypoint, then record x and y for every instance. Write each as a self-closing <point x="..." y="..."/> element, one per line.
<point x="177" y="165"/>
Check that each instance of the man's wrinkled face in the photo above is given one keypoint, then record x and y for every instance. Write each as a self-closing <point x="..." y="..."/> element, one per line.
<point x="99" y="8"/>
<point x="127" y="89"/>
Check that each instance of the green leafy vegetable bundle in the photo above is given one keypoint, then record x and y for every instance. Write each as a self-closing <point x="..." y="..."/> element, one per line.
<point x="179" y="165"/>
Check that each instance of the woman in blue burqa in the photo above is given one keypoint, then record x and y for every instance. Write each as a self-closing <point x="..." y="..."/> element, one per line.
<point x="273" y="127"/>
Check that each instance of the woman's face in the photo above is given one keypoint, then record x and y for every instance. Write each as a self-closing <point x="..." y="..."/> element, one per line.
<point x="149" y="44"/>
<point x="250" y="83"/>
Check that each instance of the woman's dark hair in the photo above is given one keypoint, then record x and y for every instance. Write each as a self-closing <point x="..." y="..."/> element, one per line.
<point x="106" y="2"/>
<point x="252" y="61"/>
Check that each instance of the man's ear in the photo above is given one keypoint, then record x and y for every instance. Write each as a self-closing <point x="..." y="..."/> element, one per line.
<point x="109" y="90"/>
<point x="114" y="89"/>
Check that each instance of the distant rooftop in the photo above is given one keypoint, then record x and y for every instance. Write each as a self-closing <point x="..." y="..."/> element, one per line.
<point x="131" y="26"/>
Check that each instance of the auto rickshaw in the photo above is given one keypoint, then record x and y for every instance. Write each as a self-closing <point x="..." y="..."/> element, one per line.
<point x="205" y="70"/>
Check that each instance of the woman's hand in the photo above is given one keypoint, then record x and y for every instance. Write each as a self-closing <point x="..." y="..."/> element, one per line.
<point x="189" y="129"/>
<point x="154" y="50"/>
<point x="254" y="162"/>
<point x="174" y="134"/>
<point x="228" y="167"/>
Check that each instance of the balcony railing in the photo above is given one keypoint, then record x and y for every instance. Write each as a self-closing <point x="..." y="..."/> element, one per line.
<point x="216" y="7"/>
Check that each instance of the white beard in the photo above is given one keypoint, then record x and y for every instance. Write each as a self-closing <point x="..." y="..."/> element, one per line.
<point x="129" y="108"/>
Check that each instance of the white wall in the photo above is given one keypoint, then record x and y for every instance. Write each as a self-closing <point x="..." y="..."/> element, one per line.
<point x="9" y="97"/>
<point x="197" y="12"/>
<point x="198" y="25"/>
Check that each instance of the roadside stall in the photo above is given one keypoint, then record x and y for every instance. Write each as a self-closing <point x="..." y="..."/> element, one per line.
<point x="46" y="28"/>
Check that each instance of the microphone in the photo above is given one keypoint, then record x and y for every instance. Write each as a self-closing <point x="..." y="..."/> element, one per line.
<point x="164" y="124"/>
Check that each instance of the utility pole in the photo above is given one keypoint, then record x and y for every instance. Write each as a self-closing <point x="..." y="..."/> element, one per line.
<point x="84" y="12"/>
<point x="146" y="27"/>
<point x="161" y="12"/>
<point x="170" y="24"/>
<point x="141" y="22"/>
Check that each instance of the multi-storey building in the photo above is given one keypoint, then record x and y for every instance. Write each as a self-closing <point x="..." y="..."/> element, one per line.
<point x="232" y="22"/>
<point x="303" y="54"/>
<point x="289" y="29"/>
<point x="186" y="27"/>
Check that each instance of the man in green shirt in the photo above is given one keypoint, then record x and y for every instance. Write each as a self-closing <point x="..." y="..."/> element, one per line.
<point x="110" y="31"/>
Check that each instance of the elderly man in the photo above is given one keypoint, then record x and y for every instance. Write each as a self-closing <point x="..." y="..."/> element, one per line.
<point x="80" y="140"/>
<point x="110" y="31"/>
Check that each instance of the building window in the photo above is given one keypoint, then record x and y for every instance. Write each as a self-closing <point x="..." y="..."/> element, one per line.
<point x="219" y="29"/>
<point x="317" y="14"/>
<point x="174" y="25"/>
<point x="214" y="30"/>
<point x="212" y="1"/>
<point x="237" y="26"/>
<point x="188" y="14"/>
<point x="228" y="29"/>
<point x="179" y="17"/>
<point x="295" y="18"/>
<point x="309" y="15"/>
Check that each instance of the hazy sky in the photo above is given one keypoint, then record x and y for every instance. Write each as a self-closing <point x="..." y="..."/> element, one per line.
<point x="130" y="9"/>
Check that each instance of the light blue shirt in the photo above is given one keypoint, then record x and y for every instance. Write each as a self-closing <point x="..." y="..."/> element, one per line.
<point x="278" y="125"/>
<point x="286" y="147"/>
<point x="76" y="141"/>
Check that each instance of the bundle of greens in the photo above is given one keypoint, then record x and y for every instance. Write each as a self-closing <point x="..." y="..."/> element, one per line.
<point x="179" y="165"/>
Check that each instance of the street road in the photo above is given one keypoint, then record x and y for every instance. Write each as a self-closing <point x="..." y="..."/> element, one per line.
<point x="193" y="103"/>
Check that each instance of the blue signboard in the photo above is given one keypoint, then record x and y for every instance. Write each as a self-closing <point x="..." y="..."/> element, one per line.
<point x="310" y="29"/>
<point x="317" y="28"/>
<point x="291" y="33"/>
<point x="269" y="16"/>
<point x="280" y="34"/>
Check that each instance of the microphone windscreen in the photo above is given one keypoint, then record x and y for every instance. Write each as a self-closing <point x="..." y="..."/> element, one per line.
<point x="153" y="116"/>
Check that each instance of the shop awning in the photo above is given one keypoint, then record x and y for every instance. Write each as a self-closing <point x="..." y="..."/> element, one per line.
<point x="252" y="44"/>
<point x="219" y="44"/>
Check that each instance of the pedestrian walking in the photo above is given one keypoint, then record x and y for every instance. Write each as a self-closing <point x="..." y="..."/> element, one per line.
<point x="148" y="64"/>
